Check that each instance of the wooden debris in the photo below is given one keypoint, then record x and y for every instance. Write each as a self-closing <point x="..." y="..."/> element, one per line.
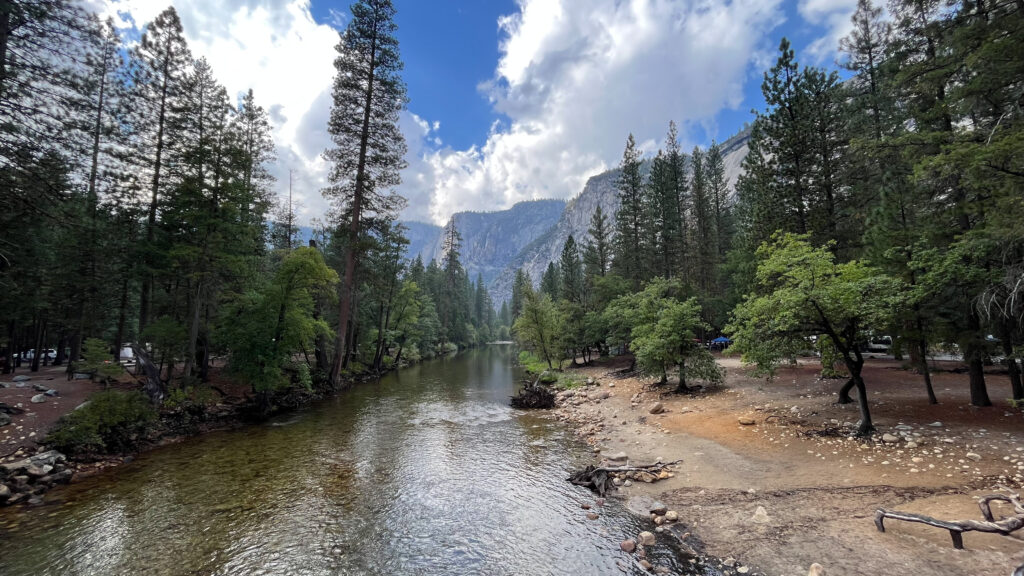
<point x="956" y="529"/>
<point x="534" y="396"/>
<point x="601" y="479"/>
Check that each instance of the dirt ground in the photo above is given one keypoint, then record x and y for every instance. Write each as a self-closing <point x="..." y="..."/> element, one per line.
<point x="26" y="430"/>
<point x="820" y="491"/>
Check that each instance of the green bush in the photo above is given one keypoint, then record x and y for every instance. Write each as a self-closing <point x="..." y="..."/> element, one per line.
<point x="111" y="422"/>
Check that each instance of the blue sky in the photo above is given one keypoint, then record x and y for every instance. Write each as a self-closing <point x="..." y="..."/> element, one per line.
<point x="451" y="46"/>
<point x="511" y="100"/>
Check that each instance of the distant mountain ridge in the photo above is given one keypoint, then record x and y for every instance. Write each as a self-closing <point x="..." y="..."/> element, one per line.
<point x="599" y="190"/>
<point x="490" y="240"/>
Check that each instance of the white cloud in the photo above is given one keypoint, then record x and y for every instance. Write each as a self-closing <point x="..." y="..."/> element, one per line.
<point x="834" y="16"/>
<point x="576" y="76"/>
<point x="277" y="49"/>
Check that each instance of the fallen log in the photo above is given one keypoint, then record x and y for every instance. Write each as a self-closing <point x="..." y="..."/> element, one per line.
<point x="956" y="528"/>
<point x="153" y="386"/>
<point x="601" y="479"/>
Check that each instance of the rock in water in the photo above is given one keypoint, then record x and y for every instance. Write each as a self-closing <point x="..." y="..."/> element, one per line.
<point x="628" y="545"/>
<point x="760" y="516"/>
<point x="591" y="516"/>
<point x="671" y="516"/>
<point x="973" y="456"/>
<point x="646" y="538"/>
<point x="4" y="419"/>
<point x="747" y="421"/>
<point x="889" y="438"/>
<point x="39" y="398"/>
<point x="21" y="378"/>
<point x="657" y="408"/>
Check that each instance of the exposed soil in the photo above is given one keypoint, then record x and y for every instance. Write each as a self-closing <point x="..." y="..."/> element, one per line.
<point x="26" y="430"/>
<point x="819" y="486"/>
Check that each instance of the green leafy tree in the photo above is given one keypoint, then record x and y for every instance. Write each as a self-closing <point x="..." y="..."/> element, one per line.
<point x="664" y="334"/>
<point x="265" y="330"/>
<point x="801" y="291"/>
<point x="539" y="327"/>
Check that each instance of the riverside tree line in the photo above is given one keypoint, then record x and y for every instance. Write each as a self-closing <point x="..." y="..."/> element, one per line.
<point x="137" y="207"/>
<point x="888" y="202"/>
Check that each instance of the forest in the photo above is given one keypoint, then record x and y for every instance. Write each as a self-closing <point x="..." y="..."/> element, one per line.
<point x="137" y="207"/>
<point x="885" y="200"/>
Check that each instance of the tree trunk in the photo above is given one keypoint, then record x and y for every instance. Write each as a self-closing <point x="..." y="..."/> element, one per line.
<point x="193" y="333"/>
<point x="1013" y="369"/>
<point x="682" y="387"/>
<point x="866" y="427"/>
<point x="926" y="372"/>
<point x="979" y="393"/>
<point x="844" y="392"/>
<point x="348" y="284"/>
<point x="40" y="338"/>
<point x="61" y="344"/>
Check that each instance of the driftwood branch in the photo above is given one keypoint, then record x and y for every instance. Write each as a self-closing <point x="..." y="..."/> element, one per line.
<point x="656" y="467"/>
<point x="956" y="528"/>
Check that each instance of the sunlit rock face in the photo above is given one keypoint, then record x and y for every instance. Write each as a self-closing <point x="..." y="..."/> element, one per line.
<point x="490" y="240"/>
<point x="599" y="191"/>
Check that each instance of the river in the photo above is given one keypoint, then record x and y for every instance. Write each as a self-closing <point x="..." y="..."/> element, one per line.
<point x="426" y="471"/>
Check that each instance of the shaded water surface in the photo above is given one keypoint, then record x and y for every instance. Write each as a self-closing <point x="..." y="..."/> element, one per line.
<point x="427" y="471"/>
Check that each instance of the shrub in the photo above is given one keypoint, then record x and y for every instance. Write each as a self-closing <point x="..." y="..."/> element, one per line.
<point x="97" y="360"/>
<point x="111" y="422"/>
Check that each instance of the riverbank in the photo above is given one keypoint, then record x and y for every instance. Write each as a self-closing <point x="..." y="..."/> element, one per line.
<point x="228" y="405"/>
<point x="782" y="446"/>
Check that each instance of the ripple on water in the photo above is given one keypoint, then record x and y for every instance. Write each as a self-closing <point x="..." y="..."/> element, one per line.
<point x="425" y="472"/>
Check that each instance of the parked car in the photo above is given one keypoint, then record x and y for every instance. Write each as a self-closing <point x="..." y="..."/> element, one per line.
<point x="49" y="354"/>
<point x="881" y="344"/>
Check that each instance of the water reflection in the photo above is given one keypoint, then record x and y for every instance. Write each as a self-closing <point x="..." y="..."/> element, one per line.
<point x="425" y="472"/>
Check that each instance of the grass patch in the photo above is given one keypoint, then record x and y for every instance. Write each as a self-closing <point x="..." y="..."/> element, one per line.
<point x="532" y="363"/>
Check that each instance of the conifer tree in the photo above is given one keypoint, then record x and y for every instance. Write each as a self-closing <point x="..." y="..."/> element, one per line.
<point x="160" y="62"/>
<point x="597" y="254"/>
<point x="551" y="282"/>
<point x="572" y="272"/>
<point x="629" y="221"/>
<point x="369" y="148"/>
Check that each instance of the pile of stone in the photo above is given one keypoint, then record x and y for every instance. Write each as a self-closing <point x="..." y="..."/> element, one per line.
<point x="26" y="479"/>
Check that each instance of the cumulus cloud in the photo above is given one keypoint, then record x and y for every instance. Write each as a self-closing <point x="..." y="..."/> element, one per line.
<point x="573" y="79"/>
<point x="834" y="16"/>
<point x="275" y="48"/>
<point x="576" y="76"/>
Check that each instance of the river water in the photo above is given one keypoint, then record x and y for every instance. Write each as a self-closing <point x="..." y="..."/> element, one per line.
<point x="427" y="471"/>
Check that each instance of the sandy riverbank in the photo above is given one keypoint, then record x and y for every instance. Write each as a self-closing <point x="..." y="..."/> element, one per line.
<point x="820" y="492"/>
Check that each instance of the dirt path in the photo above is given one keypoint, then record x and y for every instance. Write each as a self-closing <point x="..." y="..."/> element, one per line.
<point x="820" y="492"/>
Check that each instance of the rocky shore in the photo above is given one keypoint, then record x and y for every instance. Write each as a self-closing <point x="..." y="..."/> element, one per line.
<point x="26" y="479"/>
<point x="772" y="481"/>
